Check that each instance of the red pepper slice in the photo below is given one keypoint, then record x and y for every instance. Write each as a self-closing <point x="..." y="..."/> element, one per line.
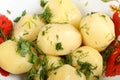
<point x="113" y="63"/>
<point x="116" y="20"/>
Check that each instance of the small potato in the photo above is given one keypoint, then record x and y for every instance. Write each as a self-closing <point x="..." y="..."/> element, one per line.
<point x="28" y="27"/>
<point x="64" y="11"/>
<point x="58" y="39"/>
<point x="11" y="61"/>
<point x="53" y="62"/>
<point x="92" y="57"/>
<point x="97" y="31"/>
<point x="66" y="72"/>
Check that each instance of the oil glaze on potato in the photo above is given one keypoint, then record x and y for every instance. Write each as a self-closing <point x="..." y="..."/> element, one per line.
<point x="64" y="11"/>
<point x="97" y="31"/>
<point x="66" y="72"/>
<point x="91" y="56"/>
<point x="11" y="61"/>
<point x="58" y="39"/>
<point x="27" y="27"/>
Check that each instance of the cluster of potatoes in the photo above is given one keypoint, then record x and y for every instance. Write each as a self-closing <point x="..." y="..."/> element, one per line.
<point x="67" y="33"/>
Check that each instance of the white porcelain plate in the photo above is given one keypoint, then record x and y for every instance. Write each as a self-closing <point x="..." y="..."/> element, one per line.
<point x="33" y="6"/>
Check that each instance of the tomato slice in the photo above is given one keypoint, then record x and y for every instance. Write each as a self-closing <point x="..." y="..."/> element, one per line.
<point x="116" y="20"/>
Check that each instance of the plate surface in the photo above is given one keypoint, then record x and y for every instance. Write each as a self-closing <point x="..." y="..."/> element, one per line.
<point x="33" y="6"/>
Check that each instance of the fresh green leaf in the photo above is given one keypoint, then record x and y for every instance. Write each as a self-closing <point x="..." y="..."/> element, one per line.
<point x="87" y="68"/>
<point x="18" y="18"/>
<point x="59" y="46"/>
<point x="53" y="67"/>
<point x="43" y="3"/>
<point x="79" y="73"/>
<point x="46" y="14"/>
<point x="31" y="74"/>
<point x="68" y="59"/>
<point x="24" y="48"/>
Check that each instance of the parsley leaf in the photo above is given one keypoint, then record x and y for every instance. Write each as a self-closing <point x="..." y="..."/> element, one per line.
<point x="86" y="68"/>
<point x="43" y="3"/>
<point x="3" y="35"/>
<point x="59" y="46"/>
<point x="68" y="59"/>
<point x="24" y="48"/>
<point x="46" y="14"/>
<point x="31" y="74"/>
<point x="18" y="18"/>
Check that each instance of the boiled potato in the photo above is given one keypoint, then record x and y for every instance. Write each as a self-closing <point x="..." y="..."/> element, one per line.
<point x="97" y="31"/>
<point x="66" y="72"/>
<point x="52" y="63"/>
<point x="58" y="39"/>
<point x="10" y="59"/>
<point x="64" y="11"/>
<point x="92" y="57"/>
<point x="27" y="27"/>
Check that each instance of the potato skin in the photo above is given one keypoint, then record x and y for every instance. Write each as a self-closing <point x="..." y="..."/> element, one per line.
<point x="11" y="61"/>
<point x="90" y="55"/>
<point x="64" y="11"/>
<point x="66" y="72"/>
<point x="97" y="31"/>
<point x="27" y="27"/>
<point x="58" y="39"/>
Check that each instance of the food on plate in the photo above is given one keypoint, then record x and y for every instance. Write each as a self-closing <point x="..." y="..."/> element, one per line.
<point x="89" y="61"/>
<point x="6" y="27"/>
<point x="97" y="30"/>
<point x="66" y="72"/>
<point x="58" y="39"/>
<point x="116" y="20"/>
<point x="11" y="61"/>
<point x="27" y="27"/>
<point x="52" y="63"/>
<point x="62" y="11"/>
<point x="113" y="62"/>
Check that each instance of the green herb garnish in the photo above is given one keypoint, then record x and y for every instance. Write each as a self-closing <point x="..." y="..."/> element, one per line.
<point x="31" y="74"/>
<point x="18" y="18"/>
<point x="8" y="11"/>
<point x="59" y="46"/>
<point x="3" y="35"/>
<point x="24" y="48"/>
<point x="47" y="15"/>
<point x="68" y="59"/>
<point x="86" y="68"/>
<point x="43" y="3"/>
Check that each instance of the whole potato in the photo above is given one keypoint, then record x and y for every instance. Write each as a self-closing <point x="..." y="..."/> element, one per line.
<point x="10" y="59"/>
<point x="27" y="28"/>
<point x="64" y="11"/>
<point x="58" y="39"/>
<point x="88" y="56"/>
<point x="66" y="72"/>
<point x="97" y="30"/>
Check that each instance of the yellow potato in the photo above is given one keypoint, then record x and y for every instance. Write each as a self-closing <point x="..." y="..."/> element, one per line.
<point x="66" y="72"/>
<point x="28" y="27"/>
<point x="97" y="31"/>
<point x="10" y="59"/>
<point x="91" y="56"/>
<point x="64" y="11"/>
<point x="53" y="62"/>
<point x="58" y="39"/>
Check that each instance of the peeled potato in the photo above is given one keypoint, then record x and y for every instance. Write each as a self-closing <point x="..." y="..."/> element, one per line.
<point x="58" y="39"/>
<point x="11" y="61"/>
<point x="28" y="27"/>
<point x="53" y="62"/>
<point x="64" y="11"/>
<point x="66" y="72"/>
<point x="91" y="56"/>
<point x="97" y="31"/>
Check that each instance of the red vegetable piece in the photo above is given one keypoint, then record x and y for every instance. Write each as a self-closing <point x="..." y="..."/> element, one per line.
<point x="116" y="20"/>
<point x="113" y="63"/>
